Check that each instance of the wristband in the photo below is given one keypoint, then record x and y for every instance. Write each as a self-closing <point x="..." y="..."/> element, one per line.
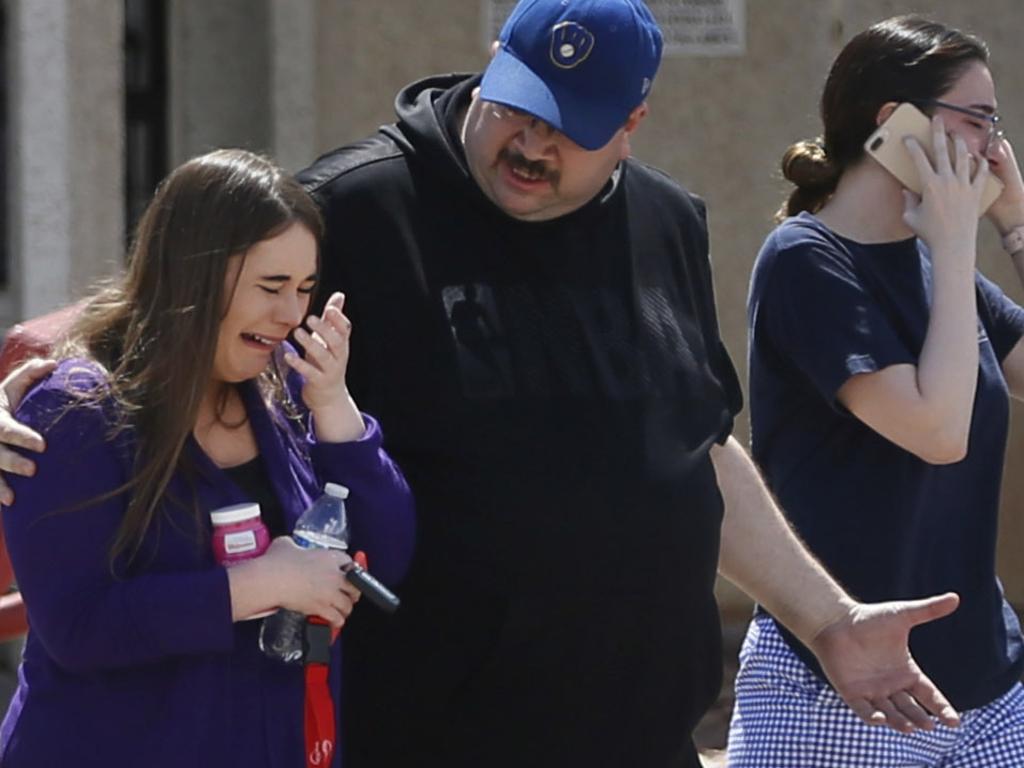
<point x="1013" y="241"/>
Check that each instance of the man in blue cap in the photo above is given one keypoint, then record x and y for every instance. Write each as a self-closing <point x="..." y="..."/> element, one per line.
<point x="535" y="328"/>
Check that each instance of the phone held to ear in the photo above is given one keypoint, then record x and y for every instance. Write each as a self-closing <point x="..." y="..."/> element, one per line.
<point x="887" y="147"/>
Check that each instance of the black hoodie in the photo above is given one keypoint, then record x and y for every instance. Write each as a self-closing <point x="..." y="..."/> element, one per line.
<point x="551" y="390"/>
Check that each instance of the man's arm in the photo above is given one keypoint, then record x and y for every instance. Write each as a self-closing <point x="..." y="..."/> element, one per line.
<point x="14" y="434"/>
<point x="862" y="647"/>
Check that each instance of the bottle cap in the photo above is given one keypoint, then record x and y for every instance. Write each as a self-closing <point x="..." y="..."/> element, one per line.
<point x="236" y="513"/>
<point x="334" y="489"/>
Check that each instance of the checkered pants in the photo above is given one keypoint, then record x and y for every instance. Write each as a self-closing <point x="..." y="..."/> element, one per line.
<point x="786" y="717"/>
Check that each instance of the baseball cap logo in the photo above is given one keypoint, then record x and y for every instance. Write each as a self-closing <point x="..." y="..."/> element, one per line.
<point x="571" y="43"/>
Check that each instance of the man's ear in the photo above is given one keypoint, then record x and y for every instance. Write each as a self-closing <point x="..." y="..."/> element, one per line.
<point x="636" y="117"/>
<point x="885" y="111"/>
<point x="632" y="123"/>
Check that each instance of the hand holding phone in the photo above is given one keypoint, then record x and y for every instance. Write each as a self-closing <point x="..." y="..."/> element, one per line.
<point x="886" y="145"/>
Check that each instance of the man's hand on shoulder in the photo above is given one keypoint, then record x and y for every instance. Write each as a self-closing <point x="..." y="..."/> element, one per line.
<point x="866" y="657"/>
<point x="14" y="434"/>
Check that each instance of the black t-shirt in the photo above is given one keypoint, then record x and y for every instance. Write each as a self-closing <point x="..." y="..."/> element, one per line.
<point x="887" y="524"/>
<point x="252" y="478"/>
<point x="551" y="391"/>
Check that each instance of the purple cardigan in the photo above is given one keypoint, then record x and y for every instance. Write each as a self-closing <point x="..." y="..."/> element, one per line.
<point x="148" y="669"/>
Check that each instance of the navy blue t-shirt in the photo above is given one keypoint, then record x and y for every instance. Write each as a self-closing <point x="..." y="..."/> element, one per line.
<point x="888" y="525"/>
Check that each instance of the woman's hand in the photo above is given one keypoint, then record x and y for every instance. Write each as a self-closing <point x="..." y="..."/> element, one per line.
<point x="13" y="433"/>
<point x="336" y="418"/>
<point x="946" y="214"/>
<point x="309" y="581"/>
<point x="1007" y="211"/>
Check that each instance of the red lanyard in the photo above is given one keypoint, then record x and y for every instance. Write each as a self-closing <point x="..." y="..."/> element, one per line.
<point x="320" y="731"/>
<point x="321" y="739"/>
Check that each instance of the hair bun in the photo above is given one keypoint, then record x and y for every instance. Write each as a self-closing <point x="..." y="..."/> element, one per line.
<point x="806" y="165"/>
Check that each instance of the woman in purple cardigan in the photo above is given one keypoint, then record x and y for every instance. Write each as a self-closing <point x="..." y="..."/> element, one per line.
<point x="174" y="395"/>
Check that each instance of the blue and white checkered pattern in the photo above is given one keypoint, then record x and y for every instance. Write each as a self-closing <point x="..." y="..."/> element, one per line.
<point x="785" y="717"/>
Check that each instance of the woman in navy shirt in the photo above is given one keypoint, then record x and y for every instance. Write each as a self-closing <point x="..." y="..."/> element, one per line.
<point x="881" y="363"/>
<point x="177" y="394"/>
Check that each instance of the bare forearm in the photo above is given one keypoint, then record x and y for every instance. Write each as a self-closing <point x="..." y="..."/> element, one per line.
<point x="339" y="423"/>
<point x="762" y="556"/>
<point x="1005" y="217"/>
<point x="253" y="589"/>
<point x="947" y="370"/>
<point x="938" y="409"/>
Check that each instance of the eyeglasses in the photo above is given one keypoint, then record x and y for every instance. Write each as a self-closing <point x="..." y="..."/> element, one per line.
<point x="994" y="135"/>
<point x="518" y="117"/>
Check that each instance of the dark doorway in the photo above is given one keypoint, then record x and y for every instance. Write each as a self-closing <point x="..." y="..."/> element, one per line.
<point x="145" y="81"/>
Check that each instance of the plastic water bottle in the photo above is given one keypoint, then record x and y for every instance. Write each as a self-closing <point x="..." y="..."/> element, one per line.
<point x="324" y="525"/>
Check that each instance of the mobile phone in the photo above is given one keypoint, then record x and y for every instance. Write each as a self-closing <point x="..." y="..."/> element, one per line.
<point x="887" y="147"/>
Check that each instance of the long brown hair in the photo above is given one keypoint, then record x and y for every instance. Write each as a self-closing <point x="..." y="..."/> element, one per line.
<point x="154" y="331"/>
<point x="905" y="58"/>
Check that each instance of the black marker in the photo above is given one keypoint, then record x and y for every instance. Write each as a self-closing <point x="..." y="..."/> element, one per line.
<point x="371" y="589"/>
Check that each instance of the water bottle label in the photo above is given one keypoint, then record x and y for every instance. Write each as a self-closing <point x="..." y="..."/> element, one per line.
<point x="315" y="540"/>
<point x="241" y="541"/>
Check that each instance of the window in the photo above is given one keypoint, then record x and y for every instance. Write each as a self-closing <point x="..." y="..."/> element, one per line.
<point x="145" y="81"/>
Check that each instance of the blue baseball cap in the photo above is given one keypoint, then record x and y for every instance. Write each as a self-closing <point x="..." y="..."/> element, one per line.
<point x="581" y="66"/>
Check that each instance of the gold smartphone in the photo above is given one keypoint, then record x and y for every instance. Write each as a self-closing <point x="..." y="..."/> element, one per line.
<point x="886" y="146"/>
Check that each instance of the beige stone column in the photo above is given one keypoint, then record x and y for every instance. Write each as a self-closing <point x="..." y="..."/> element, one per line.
<point x="219" y="93"/>
<point x="293" y="82"/>
<point x="66" y="150"/>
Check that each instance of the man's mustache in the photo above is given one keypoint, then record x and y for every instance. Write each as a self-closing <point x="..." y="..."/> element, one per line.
<point x="536" y="168"/>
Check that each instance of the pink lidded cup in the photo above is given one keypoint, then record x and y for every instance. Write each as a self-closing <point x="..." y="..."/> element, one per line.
<point x="238" y="533"/>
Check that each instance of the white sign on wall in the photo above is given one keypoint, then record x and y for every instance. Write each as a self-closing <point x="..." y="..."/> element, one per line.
<point x="702" y="27"/>
<point x="690" y="27"/>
